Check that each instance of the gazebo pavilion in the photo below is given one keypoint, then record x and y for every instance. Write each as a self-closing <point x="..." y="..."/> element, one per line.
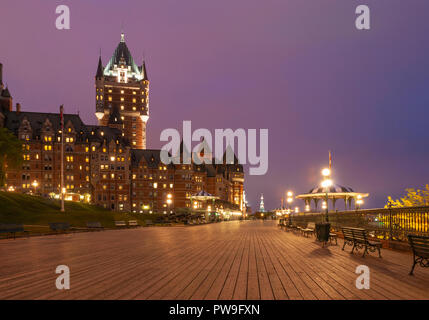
<point x="333" y="193"/>
<point x="201" y="197"/>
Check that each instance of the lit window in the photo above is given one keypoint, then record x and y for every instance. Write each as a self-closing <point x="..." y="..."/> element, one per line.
<point x="110" y="98"/>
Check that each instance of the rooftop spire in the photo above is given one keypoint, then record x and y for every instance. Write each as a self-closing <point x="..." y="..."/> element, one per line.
<point x="122" y="37"/>
<point x="145" y="77"/>
<point x="99" y="68"/>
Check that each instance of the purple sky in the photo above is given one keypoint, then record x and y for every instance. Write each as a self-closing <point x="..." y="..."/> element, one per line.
<point x="299" y="68"/>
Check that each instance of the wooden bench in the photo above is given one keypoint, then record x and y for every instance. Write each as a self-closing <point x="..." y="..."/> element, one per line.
<point x="359" y="239"/>
<point x="59" y="226"/>
<point x="189" y="222"/>
<point x="12" y="229"/>
<point x="133" y="223"/>
<point x="420" y="247"/>
<point x="311" y="226"/>
<point x="148" y="223"/>
<point x="120" y="224"/>
<point x="334" y="236"/>
<point x="94" y="226"/>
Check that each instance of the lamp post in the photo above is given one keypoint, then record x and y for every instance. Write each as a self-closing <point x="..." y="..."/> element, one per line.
<point x="155" y="186"/>
<point x="169" y="201"/>
<point x="35" y="184"/>
<point x="289" y="200"/>
<point x="359" y="201"/>
<point x="326" y="183"/>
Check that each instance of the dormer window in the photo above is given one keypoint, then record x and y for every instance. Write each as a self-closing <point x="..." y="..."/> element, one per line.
<point x="122" y="76"/>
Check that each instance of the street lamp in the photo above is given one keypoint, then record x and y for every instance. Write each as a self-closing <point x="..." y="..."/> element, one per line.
<point x="326" y="172"/>
<point x="155" y="186"/>
<point x="289" y="199"/>
<point x="169" y="201"/>
<point x="35" y="184"/>
<point x="326" y="183"/>
<point x="359" y="201"/>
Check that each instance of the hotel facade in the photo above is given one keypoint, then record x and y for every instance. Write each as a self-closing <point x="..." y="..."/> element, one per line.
<point x="108" y="164"/>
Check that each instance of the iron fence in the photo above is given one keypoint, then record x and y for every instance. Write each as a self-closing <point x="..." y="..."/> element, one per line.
<point x="386" y="223"/>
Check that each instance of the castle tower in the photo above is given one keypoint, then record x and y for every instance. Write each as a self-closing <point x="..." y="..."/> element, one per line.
<point x="122" y="93"/>
<point x="5" y="97"/>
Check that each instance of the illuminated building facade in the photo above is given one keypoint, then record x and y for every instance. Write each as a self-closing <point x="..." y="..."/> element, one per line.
<point x="108" y="164"/>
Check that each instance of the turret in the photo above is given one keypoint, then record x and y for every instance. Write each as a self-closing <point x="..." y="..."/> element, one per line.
<point x="99" y="88"/>
<point x="122" y="88"/>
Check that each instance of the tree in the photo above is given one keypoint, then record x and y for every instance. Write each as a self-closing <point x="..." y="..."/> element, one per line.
<point x="413" y="198"/>
<point x="10" y="153"/>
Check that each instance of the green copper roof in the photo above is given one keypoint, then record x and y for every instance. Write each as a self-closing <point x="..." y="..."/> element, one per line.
<point x="122" y="55"/>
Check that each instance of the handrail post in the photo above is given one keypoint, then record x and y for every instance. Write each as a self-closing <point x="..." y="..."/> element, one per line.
<point x="390" y="223"/>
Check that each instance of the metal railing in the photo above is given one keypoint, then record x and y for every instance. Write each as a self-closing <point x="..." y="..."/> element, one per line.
<point x="386" y="223"/>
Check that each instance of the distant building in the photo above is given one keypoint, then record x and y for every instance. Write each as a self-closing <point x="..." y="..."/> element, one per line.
<point x="261" y="204"/>
<point x="109" y="164"/>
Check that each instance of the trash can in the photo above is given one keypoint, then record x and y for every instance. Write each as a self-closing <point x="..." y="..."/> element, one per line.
<point x="322" y="231"/>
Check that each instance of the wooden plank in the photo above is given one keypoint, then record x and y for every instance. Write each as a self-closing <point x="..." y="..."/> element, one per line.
<point x="233" y="260"/>
<point x="253" y="290"/>
<point x="227" y="289"/>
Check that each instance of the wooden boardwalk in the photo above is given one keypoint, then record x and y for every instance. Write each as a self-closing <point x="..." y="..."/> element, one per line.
<point x="230" y="260"/>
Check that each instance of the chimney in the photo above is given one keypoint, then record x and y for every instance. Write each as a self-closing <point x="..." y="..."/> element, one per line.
<point x="18" y="108"/>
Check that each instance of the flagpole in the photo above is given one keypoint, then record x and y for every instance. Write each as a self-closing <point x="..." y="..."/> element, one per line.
<point x="62" y="157"/>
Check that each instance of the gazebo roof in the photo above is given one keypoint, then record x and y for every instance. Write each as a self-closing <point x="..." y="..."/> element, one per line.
<point x="336" y="188"/>
<point x="335" y="191"/>
<point x="203" y="195"/>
